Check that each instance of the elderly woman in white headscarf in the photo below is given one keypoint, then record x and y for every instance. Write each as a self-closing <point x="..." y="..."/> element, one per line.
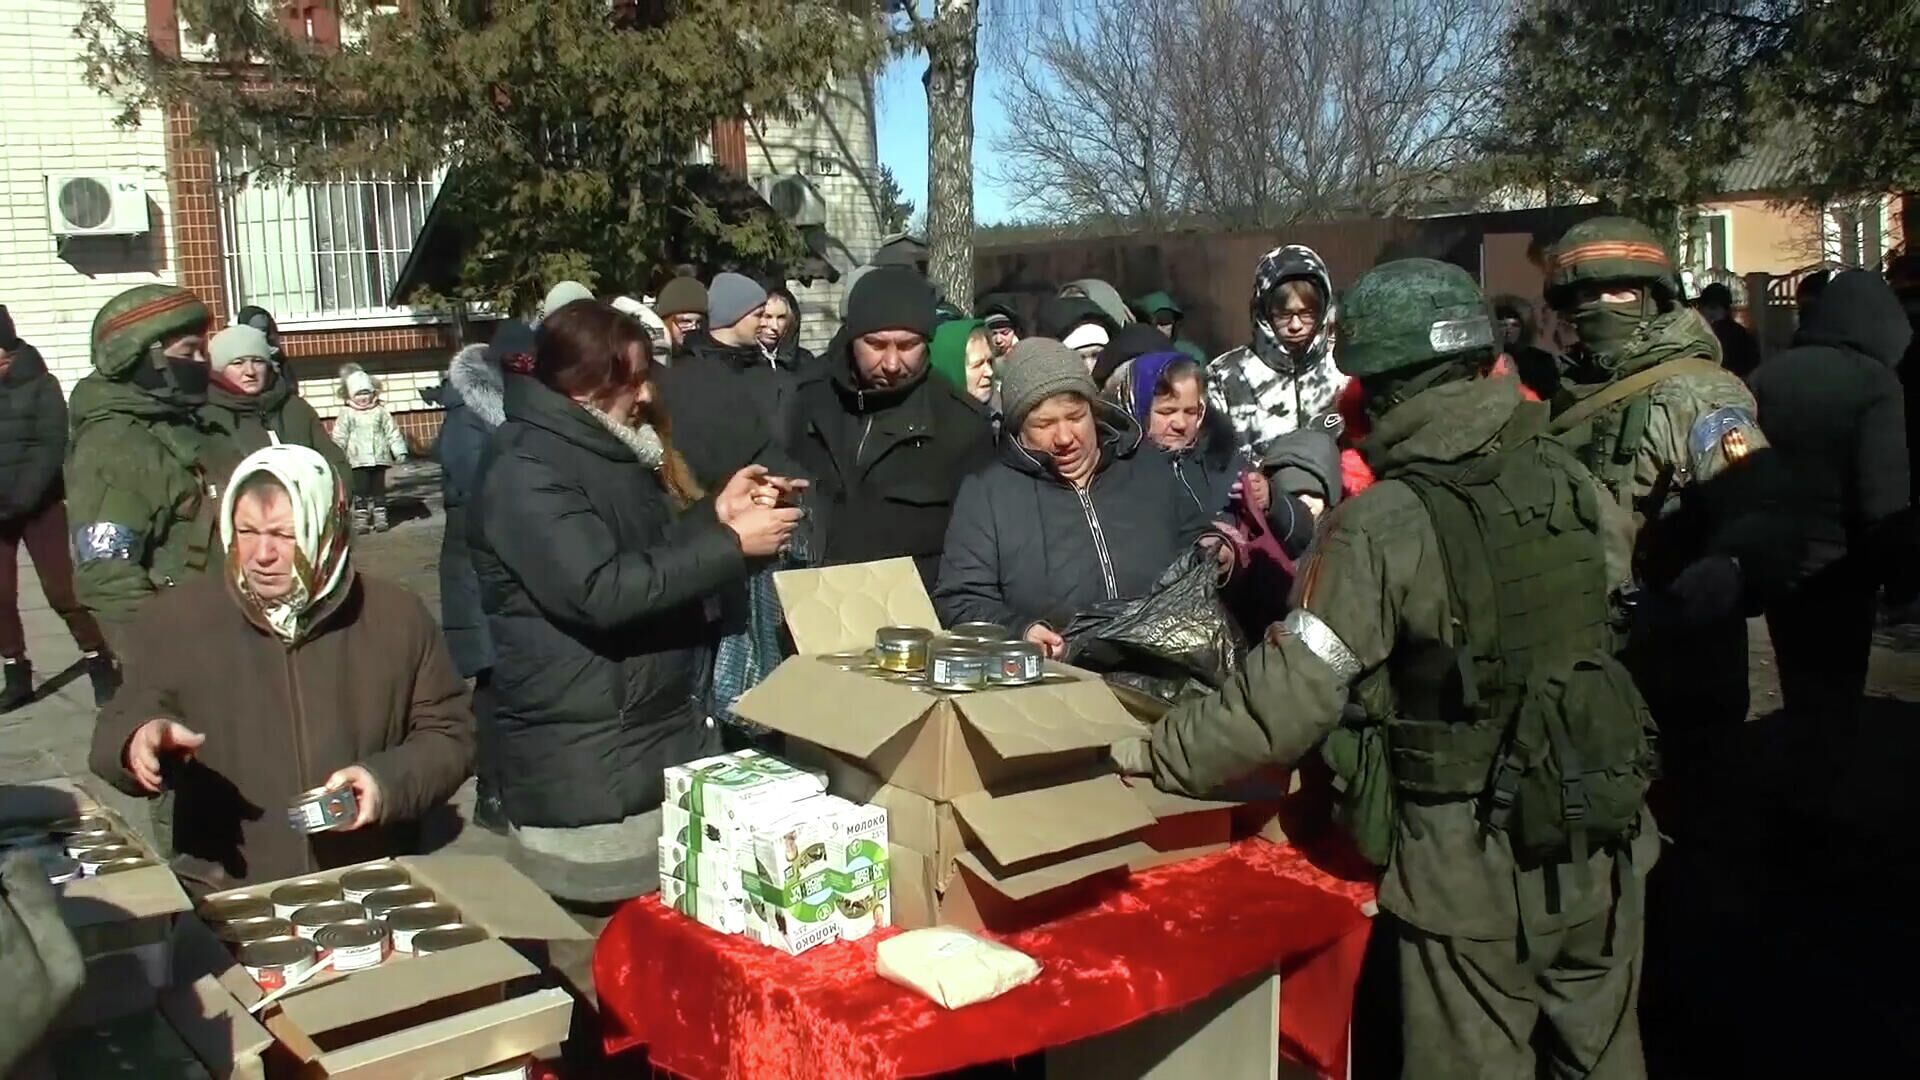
<point x="290" y="673"/>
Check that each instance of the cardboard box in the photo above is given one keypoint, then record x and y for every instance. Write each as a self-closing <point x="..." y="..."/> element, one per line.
<point x="935" y="744"/>
<point x="440" y="1015"/>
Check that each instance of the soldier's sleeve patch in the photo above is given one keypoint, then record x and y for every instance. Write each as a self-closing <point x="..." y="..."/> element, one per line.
<point x="1725" y="429"/>
<point x="101" y="540"/>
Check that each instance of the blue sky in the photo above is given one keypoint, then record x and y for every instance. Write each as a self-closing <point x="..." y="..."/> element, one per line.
<point x="900" y="99"/>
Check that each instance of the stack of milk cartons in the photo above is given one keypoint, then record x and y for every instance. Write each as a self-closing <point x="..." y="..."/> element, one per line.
<point x="751" y="845"/>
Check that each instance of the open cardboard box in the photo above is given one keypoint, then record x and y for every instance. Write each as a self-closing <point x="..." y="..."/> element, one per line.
<point x="936" y="744"/>
<point x="433" y="1016"/>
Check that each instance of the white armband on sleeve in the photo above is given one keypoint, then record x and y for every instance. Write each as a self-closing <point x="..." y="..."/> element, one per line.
<point x="1322" y="642"/>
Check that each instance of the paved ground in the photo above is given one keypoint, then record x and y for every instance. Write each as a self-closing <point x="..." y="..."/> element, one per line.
<point x="1760" y="942"/>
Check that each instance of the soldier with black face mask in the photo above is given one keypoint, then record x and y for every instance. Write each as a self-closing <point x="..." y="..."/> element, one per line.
<point x="139" y="502"/>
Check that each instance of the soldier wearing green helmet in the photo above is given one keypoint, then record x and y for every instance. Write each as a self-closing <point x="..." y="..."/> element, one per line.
<point x="1465" y="603"/>
<point x="140" y="508"/>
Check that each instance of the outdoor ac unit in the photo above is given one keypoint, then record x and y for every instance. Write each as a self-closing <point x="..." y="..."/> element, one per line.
<point x="793" y="197"/>
<point x="96" y="204"/>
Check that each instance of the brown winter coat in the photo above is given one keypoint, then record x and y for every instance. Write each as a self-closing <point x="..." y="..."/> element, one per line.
<point x="371" y="684"/>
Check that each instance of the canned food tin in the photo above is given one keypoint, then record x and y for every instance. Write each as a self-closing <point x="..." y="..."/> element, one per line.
<point x="408" y="921"/>
<point x="355" y="945"/>
<point x="118" y="866"/>
<point x="1015" y="663"/>
<point x="848" y="661"/>
<point x="322" y="809"/>
<point x="978" y="633"/>
<point x="356" y="884"/>
<point x="310" y="919"/>
<point x="83" y="823"/>
<point x="901" y="648"/>
<point x="295" y="895"/>
<point x="958" y="667"/>
<point x="59" y="868"/>
<point x="82" y="842"/>
<point x="259" y="928"/>
<point x="217" y="913"/>
<point x="517" y="1069"/>
<point x="274" y="962"/>
<point x="92" y="859"/>
<point x="441" y="938"/>
<point x="381" y="901"/>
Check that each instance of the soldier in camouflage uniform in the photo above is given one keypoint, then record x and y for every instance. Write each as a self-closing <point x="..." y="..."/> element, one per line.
<point x="1648" y="408"/>
<point x="140" y="506"/>
<point x="1484" y="549"/>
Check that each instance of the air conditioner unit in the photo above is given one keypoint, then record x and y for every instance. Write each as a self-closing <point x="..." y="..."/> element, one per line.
<point x="793" y="197"/>
<point x="97" y="204"/>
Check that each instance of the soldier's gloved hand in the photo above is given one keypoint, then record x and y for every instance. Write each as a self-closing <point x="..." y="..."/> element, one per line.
<point x="1708" y="590"/>
<point x="1133" y="757"/>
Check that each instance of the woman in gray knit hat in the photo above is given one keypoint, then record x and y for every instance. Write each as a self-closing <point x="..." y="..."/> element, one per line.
<point x="1075" y="509"/>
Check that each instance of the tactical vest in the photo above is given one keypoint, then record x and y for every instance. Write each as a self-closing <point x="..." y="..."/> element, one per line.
<point x="1528" y="713"/>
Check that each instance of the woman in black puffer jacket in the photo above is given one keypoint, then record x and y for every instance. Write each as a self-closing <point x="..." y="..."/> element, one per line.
<point x="1075" y="511"/>
<point x="598" y="560"/>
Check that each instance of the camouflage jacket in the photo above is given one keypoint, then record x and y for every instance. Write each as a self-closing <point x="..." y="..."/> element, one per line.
<point x="140" y="509"/>
<point x="1373" y="588"/>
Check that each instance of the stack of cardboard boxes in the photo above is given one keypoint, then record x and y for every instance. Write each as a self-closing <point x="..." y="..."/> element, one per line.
<point x="752" y="845"/>
<point x="1001" y="805"/>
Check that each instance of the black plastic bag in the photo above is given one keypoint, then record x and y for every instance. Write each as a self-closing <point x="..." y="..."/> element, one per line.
<point x="1176" y="641"/>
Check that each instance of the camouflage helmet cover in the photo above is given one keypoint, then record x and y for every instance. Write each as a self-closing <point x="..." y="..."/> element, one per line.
<point x="139" y="318"/>
<point x="1409" y="313"/>
<point x="1614" y="249"/>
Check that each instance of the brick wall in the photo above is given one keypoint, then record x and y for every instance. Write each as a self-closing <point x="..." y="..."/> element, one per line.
<point x="839" y="129"/>
<point x="52" y="122"/>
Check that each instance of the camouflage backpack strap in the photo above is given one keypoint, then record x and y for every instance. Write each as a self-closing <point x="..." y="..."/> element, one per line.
<point x="1621" y="389"/>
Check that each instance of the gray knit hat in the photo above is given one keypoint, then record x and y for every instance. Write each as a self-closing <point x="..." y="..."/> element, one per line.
<point x="237" y="343"/>
<point x="732" y="297"/>
<point x="1035" y="370"/>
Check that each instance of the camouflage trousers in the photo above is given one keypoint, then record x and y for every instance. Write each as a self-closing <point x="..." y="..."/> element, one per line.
<point x="1561" y="1004"/>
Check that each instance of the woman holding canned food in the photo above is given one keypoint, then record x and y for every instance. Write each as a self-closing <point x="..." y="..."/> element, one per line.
<point x="1073" y="512"/>
<point x="600" y="563"/>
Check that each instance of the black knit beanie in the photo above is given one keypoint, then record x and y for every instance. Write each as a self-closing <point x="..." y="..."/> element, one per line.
<point x="890" y="298"/>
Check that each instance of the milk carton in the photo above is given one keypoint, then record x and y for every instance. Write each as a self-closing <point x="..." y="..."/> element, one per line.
<point x="717" y="870"/>
<point x="738" y="787"/>
<point x="700" y="834"/>
<point x="792" y="903"/>
<point x="726" y="913"/>
<point x="857" y="866"/>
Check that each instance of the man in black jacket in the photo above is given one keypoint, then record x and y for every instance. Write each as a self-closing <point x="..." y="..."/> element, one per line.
<point x="1833" y="409"/>
<point x="1739" y="353"/>
<point x="728" y="404"/>
<point x="33" y="444"/>
<point x="886" y="446"/>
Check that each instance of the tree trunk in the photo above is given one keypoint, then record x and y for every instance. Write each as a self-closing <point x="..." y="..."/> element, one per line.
<point x="951" y="62"/>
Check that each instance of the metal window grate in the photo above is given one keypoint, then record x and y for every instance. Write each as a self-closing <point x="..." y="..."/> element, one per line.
<point x="319" y="252"/>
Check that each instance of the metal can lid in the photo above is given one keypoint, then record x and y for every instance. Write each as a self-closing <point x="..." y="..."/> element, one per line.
<point x="59" y="868"/>
<point x="978" y="631"/>
<point x="255" y="929"/>
<point x="81" y="823"/>
<point x="276" y="952"/>
<point x="119" y="865"/>
<point x="231" y="908"/>
<point x="373" y="878"/>
<point x="327" y="913"/>
<point x="111" y="853"/>
<point x="421" y="916"/>
<point x="350" y="934"/>
<point x="442" y="938"/>
<point x="963" y="649"/>
<point x="899" y="636"/>
<point x="94" y="839"/>
<point x="306" y="891"/>
<point x="381" y="901"/>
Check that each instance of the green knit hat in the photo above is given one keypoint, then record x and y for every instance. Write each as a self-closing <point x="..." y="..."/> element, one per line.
<point x="138" y="319"/>
<point x="947" y="353"/>
<point x="1607" y="249"/>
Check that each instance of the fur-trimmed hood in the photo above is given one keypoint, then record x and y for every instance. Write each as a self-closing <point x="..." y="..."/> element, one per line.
<point x="477" y="380"/>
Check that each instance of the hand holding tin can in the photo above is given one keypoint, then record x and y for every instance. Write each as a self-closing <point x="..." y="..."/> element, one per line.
<point x="350" y="799"/>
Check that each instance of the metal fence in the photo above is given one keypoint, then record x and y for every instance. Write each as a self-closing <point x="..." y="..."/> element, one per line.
<point x="319" y="254"/>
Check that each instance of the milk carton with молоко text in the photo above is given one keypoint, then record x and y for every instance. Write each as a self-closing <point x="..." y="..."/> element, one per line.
<point x="792" y="904"/>
<point x="858" y="866"/>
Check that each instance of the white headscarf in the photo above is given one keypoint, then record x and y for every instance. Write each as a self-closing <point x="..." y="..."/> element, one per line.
<point x="320" y="532"/>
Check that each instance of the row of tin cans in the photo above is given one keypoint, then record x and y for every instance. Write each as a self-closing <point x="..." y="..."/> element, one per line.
<point x="76" y="847"/>
<point x="972" y="656"/>
<point x="359" y="920"/>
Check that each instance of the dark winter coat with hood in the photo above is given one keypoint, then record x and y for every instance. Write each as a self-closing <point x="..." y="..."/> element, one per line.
<point x="472" y="398"/>
<point x="1264" y="390"/>
<point x="1025" y="546"/>
<point x="33" y="431"/>
<point x="728" y="405"/>
<point x="886" y="464"/>
<point x="236" y="425"/>
<point x="1833" y="408"/>
<point x="596" y="592"/>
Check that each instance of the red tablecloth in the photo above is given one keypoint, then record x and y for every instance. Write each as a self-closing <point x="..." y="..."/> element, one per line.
<point x="710" y="1006"/>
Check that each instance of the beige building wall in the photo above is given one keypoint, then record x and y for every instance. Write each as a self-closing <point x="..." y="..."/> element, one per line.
<point x="1772" y="239"/>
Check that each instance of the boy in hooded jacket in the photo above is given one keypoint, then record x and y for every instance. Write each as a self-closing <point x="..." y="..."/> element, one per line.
<point x="1286" y="373"/>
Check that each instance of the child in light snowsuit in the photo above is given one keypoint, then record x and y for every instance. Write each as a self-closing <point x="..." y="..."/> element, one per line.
<point x="372" y="441"/>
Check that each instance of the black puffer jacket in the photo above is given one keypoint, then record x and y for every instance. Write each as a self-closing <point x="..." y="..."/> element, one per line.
<point x="33" y="432"/>
<point x="1833" y="408"/>
<point x="472" y="398"/>
<point x="729" y="407"/>
<point x="1026" y="547"/>
<point x="886" y="465"/>
<point x="1207" y="469"/>
<point x="594" y="589"/>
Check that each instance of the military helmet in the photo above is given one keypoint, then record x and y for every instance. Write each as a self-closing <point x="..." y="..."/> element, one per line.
<point x="138" y="319"/>
<point x="1613" y="249"/>
<point x="1409" y="313"/>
